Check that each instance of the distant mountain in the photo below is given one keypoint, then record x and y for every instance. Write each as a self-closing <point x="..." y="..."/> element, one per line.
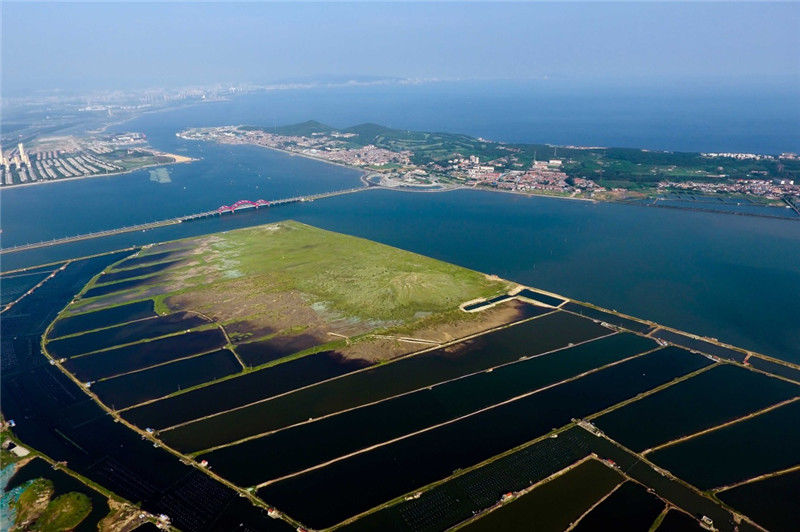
<point x="367" y="133"/>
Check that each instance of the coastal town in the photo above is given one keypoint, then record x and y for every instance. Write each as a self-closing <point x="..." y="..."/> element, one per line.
<point x="766" y="188"/>
<point x="70" y="157"/>
<point x="508" y="169"/>
<point x="396" y="168"/>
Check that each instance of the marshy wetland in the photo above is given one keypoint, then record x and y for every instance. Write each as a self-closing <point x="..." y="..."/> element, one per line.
<point x="393" y="391"/>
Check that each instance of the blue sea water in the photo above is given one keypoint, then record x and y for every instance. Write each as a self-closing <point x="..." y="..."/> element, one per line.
<point x="759" y="118"/>
<point x="732" y="277"/>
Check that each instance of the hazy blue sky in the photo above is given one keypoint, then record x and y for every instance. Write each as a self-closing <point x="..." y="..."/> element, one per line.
<point x="119" y="45"/>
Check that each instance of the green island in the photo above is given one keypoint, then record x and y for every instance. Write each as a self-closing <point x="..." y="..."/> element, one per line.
<point x="458" y="398"/>
<point x="36" y="508"/>
<point x="32" y="502"/>
<point x="431" y="161"/>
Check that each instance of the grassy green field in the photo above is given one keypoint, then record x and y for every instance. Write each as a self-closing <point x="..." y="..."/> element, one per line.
<point x="289" y="279"/>
<point x="337" y="273"/>
<point x="351" y="275"/>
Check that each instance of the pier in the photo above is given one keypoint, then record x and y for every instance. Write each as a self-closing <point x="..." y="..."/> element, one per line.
<point x="220" y="211"/>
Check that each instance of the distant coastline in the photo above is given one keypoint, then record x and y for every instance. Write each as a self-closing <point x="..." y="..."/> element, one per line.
<point x="528" y="193"/>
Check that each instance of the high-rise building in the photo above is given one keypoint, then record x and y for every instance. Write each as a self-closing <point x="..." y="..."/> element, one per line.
<point x="22" y="155"/>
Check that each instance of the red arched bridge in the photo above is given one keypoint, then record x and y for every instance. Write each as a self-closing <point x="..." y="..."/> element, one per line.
<point x="223" y="210"/>
<point x="243" y="204"/>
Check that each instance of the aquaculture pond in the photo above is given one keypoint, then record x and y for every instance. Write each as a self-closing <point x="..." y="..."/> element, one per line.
<point x="122" y="334"/>
<point x="630" y="508"/>
<point x="717" y="396"/>
<point x="723" y="205"/>
<point x="72" y="324"/>
<point x="142" y="258"/>
<point x="608" y="317"/>
<point x="141" y="355"/>
<point x="542" y="298"/>
<point x="699" y="345"/>
<point x="133" y="388"/>
<point x="110" y="288"/>
<point x="555" y="505"/>
<point x="763" y="444"/>
<point x="275" y="348"/>
<point x="773" y="503"/>
<point x="486" y="303"/>
<point x="12" y="287"/>
<point x="668" y="488"/>
<point x="63" y="483"/>
<point x="299" y="447"/>
<point x="245" y="388"/>
<point x="56" y="417"/>
<point x="122" y="275"/>
<point x="529" y="338"/>
<point x="777" y="369"/>
<point x="397" y="468"/>
<point x="463" y="495"/>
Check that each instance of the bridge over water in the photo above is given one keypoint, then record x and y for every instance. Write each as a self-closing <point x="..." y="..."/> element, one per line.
<point x="221" y="211"/>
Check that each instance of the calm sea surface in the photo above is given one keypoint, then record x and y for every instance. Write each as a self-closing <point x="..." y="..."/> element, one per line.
<point x="732" y="277"/>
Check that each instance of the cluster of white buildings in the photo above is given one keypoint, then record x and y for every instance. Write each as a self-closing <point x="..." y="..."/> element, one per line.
<point x="16" y="158"/>
<point x="773" y="189"/>
<point x="740" y="156"/>
<point x="545" y="176"/>
<point x="61" y="160"/>
<point x="751" y="156"/>
<point x="331" y="146"/>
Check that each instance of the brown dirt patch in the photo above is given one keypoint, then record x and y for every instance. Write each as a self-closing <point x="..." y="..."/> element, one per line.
<point x="474" y="322"/>
<point x="249" y="317"/>
<point x="122" y="518"/>
<point x="378" y="349"/>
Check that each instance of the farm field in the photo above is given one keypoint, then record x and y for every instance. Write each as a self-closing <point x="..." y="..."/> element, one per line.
<point x="404" y="392"/>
